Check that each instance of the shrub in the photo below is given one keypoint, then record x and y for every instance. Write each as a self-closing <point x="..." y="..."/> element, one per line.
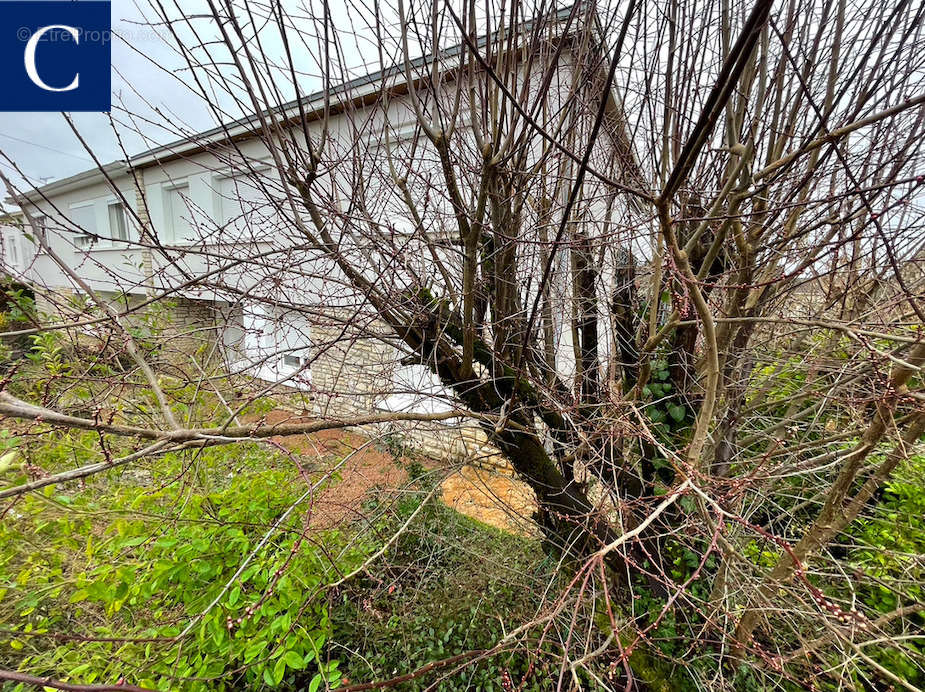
<point x="94" y="585"/>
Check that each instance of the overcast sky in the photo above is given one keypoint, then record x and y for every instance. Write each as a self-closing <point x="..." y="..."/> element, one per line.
<point x="43" y="145"/>
<point x="147" y="74"/>
<point x="155" y="97"/>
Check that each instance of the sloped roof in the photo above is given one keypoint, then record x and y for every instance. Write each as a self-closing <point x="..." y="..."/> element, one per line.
<point x="359" y="88"/>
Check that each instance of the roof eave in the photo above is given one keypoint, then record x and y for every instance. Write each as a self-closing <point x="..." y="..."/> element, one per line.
<point x="74" y="182"/>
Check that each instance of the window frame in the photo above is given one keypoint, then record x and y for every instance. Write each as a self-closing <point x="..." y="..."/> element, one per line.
<point x="291" y="339"/>
<point x="12" y="249"/>
<point x="39" y="232"/>
<point x="117" y="202"/>
<point x="269" y="339"/>
<point x="299" y="361"/>
<point x="219" y="200"/>
<point x="81" y="240"/>
<point x="167" y="191"/>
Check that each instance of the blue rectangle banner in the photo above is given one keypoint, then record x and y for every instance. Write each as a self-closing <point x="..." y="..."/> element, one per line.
<point x="55" y="55"/>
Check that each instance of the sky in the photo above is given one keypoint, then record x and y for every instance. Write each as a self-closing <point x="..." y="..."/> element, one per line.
<point x="44" y="146"/>
<point x="152" y="104"/>
<point x="155" y="98"/>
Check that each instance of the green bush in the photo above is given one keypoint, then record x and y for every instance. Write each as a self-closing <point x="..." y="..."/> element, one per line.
<point x="889" y="546"/>
<point x="450" y="586"/>
<point x="95" y="584"/>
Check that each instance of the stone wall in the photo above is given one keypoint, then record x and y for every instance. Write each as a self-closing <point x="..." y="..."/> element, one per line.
<point x="353" y="373"/>
<point x="192" y="327"/>
<point x="179" y="329"/>
<point x="53" y="302"/>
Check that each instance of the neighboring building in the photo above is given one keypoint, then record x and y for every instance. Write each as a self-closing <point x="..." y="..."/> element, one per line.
<point x="180" y="222"/>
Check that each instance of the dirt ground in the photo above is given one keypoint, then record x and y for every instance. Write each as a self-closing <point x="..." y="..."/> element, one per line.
<point x="489" y="495"/>
<point x="493" y="497"/>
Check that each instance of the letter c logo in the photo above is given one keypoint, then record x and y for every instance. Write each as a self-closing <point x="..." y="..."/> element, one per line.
<point x="30" y="57"/>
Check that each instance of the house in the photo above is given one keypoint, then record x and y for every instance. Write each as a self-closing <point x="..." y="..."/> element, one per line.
<point x="207" y="223"/>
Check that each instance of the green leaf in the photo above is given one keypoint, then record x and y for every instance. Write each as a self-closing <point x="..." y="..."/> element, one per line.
<point x="254" y="650"/>
<point x="294" y="660"/>
<point x="279" y="671"/>
<point x="677" y="412"/>
<point x="131" y="542"/>
<point x="315" y="683"/>
<point x="78" y="596"/>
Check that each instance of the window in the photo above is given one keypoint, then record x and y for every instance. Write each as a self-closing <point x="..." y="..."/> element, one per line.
<point x="83" y="219"/>
<point x="292" y="361"/>
<point x="238" y="202"/>
<point x="290" y="333"/>
<point x="276" y="345"/>
<point x="231" y="318"/>
<point x="12" y="249"/>
<point x="118" y="223"/>
<point x="40" y="232"/>
<point x="256" y="326"/>
<point x="176" y="212"/>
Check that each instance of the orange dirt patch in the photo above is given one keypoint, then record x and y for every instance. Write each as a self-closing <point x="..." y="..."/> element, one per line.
<point x="491" y="496"/>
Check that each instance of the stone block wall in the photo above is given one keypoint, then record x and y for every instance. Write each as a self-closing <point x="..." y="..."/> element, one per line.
<point x="180" y="329"/>
<point x="192" y="328"/>
<point x="353" y="372"/>
<point x="455" y="440"/>
<point x="53" y="302"/>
